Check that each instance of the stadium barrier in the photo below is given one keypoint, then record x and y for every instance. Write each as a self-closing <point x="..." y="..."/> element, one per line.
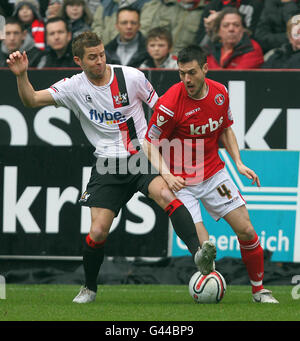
<point x="45" y="162"/>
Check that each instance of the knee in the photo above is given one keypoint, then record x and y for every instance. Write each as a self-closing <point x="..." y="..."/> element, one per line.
<point x="98" y="231"/>
<point x="166" y="194"/>
<point x="163" y="196"/>
<point x="247" y="232"/>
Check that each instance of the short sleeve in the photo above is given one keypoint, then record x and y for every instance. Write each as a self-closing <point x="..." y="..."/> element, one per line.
<point x="162" y="123"/>
<point x="145" y="90"/>
<point x="61" y="92"/>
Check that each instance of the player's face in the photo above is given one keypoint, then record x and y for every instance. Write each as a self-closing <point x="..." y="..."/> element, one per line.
<point x="93" y="62"/>
<point x="193" y="77"/>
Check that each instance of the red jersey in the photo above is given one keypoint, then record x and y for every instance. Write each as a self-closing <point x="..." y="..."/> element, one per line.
<point x="191" y="129"/>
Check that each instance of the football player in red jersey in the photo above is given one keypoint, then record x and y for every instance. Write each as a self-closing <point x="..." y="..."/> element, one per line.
<point x="196" y="114"/>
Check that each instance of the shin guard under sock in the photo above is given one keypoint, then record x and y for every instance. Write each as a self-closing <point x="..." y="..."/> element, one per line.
<point x="253" y="257"/>
<point x="93" y="256"/>
<point x="183" y="224"/>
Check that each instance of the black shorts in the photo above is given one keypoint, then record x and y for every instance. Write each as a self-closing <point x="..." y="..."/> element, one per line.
<point x="113" y="191"/>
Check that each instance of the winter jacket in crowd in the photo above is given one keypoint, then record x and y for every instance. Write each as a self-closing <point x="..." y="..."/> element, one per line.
<point x="33" y="53"/>
<point x="133" y="53"/>
<point x="247" y="54"/>
<point x="283" y="57"/>
<point x="251" y="9"/>
<point x="271" y="28"/>
<point x="50" y="59"/>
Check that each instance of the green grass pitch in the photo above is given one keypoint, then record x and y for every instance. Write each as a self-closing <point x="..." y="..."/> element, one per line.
<point x="141" y="303"/>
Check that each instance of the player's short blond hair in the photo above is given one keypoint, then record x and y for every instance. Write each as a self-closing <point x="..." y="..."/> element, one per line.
<point x="85" y="39"/>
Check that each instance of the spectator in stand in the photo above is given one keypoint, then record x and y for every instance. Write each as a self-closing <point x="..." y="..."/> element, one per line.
<point x="271" y="28"/>
<point x="288" y="55"/>
<point x="6" y="8"/>
<point x="78" y="16"/>
<point x="59" y="49"/>
<point x="27" y="11"/>
<point x="157" y="13"/>
<point x="53" y="8"/>
<point x="232" y="48"/>
<point x="17" y="39"/>
<point x="180" y="17"/>
<point x="251" y="9"/>
<point x="159" y="45"/>
<point x="106" y="15"/>
<point x="129" y="46"/>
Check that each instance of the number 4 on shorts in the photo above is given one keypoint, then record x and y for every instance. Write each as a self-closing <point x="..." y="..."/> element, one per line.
<point x="224" y="191"/>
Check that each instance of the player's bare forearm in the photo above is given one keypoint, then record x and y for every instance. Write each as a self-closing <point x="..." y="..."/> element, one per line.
<point x="25" y="90"/>
<point x="18" y="64"/>
<point x="155" y="158"/>
<point x="229" y="141"/>
<point x="175" y="183"/>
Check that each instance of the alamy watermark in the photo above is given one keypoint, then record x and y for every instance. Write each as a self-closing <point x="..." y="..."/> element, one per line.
<point x="182" y="156"/>
<point x="296" y="289"/>
<point x="2" y="288"/>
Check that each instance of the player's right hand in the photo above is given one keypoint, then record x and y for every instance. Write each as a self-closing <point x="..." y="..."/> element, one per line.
<point x="175" y="183"/>
<point x="17" y="62"/>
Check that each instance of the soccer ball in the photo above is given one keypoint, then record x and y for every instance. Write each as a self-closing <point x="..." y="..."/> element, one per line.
<point x="207" y="288"/>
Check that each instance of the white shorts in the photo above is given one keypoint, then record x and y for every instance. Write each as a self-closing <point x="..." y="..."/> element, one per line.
<point x="218" y="194"/>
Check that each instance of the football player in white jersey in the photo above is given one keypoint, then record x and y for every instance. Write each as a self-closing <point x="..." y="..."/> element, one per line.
<point x="107" y="99"/>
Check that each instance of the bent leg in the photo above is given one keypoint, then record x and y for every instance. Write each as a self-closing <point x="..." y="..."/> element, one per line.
<point x="180" y="217"/>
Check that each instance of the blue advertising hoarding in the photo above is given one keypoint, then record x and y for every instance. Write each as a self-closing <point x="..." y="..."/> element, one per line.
<point x="274" y="208"/>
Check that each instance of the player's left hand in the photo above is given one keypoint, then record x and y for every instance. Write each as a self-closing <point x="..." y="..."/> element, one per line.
<point x="249" y="173"/>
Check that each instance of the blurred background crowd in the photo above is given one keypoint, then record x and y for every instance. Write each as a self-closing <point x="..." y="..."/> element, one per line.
<point x="236" y="34"/>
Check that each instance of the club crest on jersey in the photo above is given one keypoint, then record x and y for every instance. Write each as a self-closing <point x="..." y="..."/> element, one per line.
<point x="219" y="99"/>
<point x="84" y="197"/>
<point x="121" y="99"/>
<point x="161" y="120"/>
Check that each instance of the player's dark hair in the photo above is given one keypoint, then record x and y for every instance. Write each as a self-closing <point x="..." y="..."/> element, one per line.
<point x="190" y="53"/>
<point x="85" y="39"/>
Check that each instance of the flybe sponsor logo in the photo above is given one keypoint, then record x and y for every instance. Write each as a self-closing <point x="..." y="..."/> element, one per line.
<point x="107" y="117"/>
<point x="206" y="128"/>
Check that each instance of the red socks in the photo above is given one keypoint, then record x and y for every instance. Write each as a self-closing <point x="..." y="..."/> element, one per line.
<point x="253" y="257"/>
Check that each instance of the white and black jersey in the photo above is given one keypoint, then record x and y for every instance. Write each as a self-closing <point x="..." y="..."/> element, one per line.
<point x="111" y="116"/>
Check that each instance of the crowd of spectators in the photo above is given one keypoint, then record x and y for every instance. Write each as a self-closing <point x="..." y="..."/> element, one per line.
<point x="236" y="34"/>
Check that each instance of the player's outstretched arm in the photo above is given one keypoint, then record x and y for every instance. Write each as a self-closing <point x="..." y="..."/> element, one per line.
<point x="230" y="143"/>
<point x="18" y="64"/>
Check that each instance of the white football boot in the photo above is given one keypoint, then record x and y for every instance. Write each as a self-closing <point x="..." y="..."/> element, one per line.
<point x="205" y="257"/>
<point x="85" y="296"/>
<point x="264" y="296"/>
